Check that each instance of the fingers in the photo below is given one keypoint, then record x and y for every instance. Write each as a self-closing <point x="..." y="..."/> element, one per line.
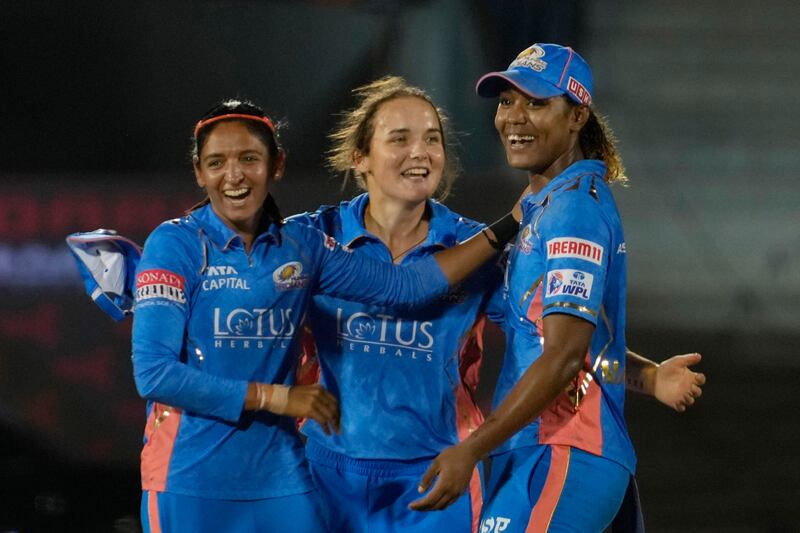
<point x="316" y="403"/>
<point x="440" y="497"/>
<point x="692" y="358"/>
<point x="427" y="477"/>
<point x="700" y="378"/>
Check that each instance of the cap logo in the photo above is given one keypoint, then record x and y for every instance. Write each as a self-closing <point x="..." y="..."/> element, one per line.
<point x="530" y="58"/>
<point x="576" y="89"/>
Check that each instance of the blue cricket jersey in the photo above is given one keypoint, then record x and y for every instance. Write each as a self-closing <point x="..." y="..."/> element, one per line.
<point x="209" y="318"/>
<point x="569" y="257"/>
<point x="404" y="379"/>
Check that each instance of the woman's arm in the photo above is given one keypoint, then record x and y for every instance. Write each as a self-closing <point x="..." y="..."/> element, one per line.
<point x="567" y="343"/>
<point x="671" y="382"/>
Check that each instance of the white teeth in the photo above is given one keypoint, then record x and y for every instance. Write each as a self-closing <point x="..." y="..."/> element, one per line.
<point x="234" y="193"/>
<point x="521" y="138"/>
<point x="416" y="172"/>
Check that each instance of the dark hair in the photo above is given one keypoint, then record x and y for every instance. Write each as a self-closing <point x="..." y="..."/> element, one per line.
<point x="357" y="127"/>
<point x="256" y="121"/>
<point x="261" y="126"/>
<point x="597" y="141"/>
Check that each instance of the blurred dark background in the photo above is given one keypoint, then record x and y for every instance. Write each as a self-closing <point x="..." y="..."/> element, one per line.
<point x="99" y="99"/>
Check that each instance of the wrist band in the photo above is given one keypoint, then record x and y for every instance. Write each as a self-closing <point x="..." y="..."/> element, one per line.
<point x="280" y="399"/>
<point x="263" y="396"/>
<point x="504" y="230"/>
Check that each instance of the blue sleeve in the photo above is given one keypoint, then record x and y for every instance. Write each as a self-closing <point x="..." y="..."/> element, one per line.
<point x="495" y="303"/>
<point x="343" y="274"/>
<point x="165" y="280"/>
<point x="576" y="241"/>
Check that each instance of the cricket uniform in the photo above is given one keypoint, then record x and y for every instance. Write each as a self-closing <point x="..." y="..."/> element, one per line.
<point x="209" y="318"/>
<point x="404" y="381"/>
<point x="568" y="470"/>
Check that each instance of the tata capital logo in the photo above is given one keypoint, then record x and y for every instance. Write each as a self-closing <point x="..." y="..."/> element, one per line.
<point x="252" y="328"/>
<point x="290" y="276"/>
<point x="223" y="277"/>
<point x="384" y="334"/>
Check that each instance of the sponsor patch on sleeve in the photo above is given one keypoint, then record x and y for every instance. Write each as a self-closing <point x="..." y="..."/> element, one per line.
<point x="569" y="282"/>
<point x="573" y="247"/>
<point x="158" y="283"/>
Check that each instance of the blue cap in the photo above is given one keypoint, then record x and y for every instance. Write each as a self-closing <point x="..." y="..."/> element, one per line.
<point x="543" y="71"/>
<point x="107" y="263"/>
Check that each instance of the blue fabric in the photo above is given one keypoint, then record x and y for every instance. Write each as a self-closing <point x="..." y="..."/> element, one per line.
<point x="209" y="318"/>
<point x="397" y="374"/>
<point x="588" y="500"/>
<point x="369" y="495"/>
<point x="178" y="513"/>
<point x="107" y="263"/>
<point x="569" y="257"/>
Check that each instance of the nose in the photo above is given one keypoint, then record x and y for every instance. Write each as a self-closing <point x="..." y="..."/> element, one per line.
<point x="419" y="149"/>
<point x="515" y="113"/>
<point x="234" y="173"/>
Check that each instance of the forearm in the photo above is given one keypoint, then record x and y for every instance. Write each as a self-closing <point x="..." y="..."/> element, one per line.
<point x="174" y="383"/>
<point x="640" y="373"/>
<point x="544" y="380"/>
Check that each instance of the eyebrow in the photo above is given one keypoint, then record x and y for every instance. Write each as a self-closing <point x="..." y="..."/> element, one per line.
<point x="220" y="154"/>
<point x="406" y="130"/>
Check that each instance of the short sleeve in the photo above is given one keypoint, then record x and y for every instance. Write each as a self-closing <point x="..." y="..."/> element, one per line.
<point x="575" y="240"/>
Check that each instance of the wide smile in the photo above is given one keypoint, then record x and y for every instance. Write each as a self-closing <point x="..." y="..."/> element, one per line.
<point x="237" y="196"/>
<point x="416" y="173"/>
<point x="516" y="141"/>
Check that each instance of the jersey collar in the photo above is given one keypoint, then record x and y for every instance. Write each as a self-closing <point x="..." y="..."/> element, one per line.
<point x="224" y="237"/>
<point x="442" y="229"/>
<point x="578" y="168"/>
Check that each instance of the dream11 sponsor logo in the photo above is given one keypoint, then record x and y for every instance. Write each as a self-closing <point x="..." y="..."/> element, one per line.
<point x="383" y="334"/>
<point x="253" y="328"/>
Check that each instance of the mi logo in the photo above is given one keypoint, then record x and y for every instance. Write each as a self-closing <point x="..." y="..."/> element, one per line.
<point x="494" y="525"/>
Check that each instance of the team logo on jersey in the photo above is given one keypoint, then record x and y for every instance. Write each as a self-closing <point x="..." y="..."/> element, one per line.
<point x="572" y="247"/>
<point x="576" y="89"/>
<point x="569" y="282"/>
<point x="223" y="277"/>
<point x="621" y="249"/>
<point x="530" y="57"/>
<point x="290" y="276"/>
<point x="494" y="524"/>
<point x="384" y="334"/>
<point x="252" y="328"/>
<point x="525" y="240"/>
<point x="161" y="284"/>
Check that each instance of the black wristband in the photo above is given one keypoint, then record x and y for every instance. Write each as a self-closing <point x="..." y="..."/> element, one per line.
<point x="504" y="230"/>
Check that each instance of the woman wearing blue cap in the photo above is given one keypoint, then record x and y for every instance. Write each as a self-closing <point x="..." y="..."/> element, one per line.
<point x="562" y="458"/>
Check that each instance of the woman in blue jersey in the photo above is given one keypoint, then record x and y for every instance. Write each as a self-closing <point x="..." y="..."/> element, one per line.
<point x="219" y="297"/>
<point x="562" y="459"/>
<point x="404" y="380"/>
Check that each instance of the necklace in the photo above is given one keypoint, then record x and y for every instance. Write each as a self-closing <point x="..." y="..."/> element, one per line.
<point x="370" y="220"/>
<point x="404" y="252"/>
